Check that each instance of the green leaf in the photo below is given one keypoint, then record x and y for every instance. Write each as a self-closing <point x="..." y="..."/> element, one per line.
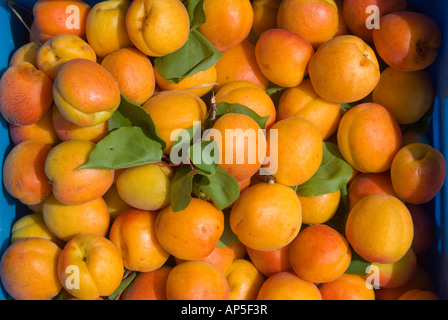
<point x="128" y="277"/>
<point x="223" y="108"/>
<point x="358" y="265"/>
<point x="181" y="188"/>
<point x="123" y="148"/>
<point x="274" y="90"/>
<point x="131" y="114"/>
<point x="223" y="189"/>
<point x="333" y="173"/>
<point x="204" y="155"/>
<point x="228" y="237"/>
<point x="196" y="55"/>
<point x="196" y="12"/>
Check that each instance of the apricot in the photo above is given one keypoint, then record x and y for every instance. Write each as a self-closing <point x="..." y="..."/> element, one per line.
<point x="369" y="137"/>
<point x="133" y="233"/>
<point x="380" y="228"/>
<point x="303" y="101"/>
<point x="85" y="92"/>
<point x="407" y="95"/>
<point x="106" y="27"/>
<point x="168" y="117"/>
<point x="241" y="144"/>
<point x="244" y="280"/>
<point x="32" y="226"/>
<point x="265" y="15"/>
<point x="240" y="63"/>
<point x="347" y="287"/>
<point x="407" y="41"/>
<point x="315" y="20"/>
<point x="418" y="172"/>
<point x="133" y="72"/>
<point x="66" y="130"/>
<point x="53" y="17"/>
<point x="266" y="216"/>
<point x="250" y="95"/>
<point x="158" y="27"/>
<point x="24" y="175"/>
<point x="283" y="56"/>
<point x="228" y="22"/>
<point x="368" y="183"/>
<point x="115" y="204"/>
<point x="344" y="69"/>
<point x="192" y="233"/>
<point x="199" y="83"/>
<point x="59" y="49"/>
<point x="90" y="266"/>
<point x="269" y="262"/>
<point x="417" y="294"/>
<point x="70" y="185"/>
<point x="146" y="187"/>
<point x="66" y="221"/>
<point x="288" y="286"/>
<point x="28" y="269"/>
<point x="356" y="15"/>
<point x="26" y="53"/>
<point x="319" y="254"/>
<point x="42" y="130"/>
<point x="320" y="209"/>
<point x="424" y="228"/>
<point x="342" y="26"/>
<point x="294" y="149"/>
<point x="196" y="280"/>
<point x="25" y="94"/>
<point x="149" y="285"/>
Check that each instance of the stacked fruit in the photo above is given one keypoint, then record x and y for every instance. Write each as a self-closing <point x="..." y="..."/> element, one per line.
<point x="221" y="149"/>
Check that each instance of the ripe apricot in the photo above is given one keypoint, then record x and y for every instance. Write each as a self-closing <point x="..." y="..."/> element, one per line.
<point x="266" y="217"/>
<point x="320" y="209"/>
<point x="32" y="226"/>
<point x="228" y="22"/>
<point x="149" y="285"/>
<point x="115" y="204"/>
<point x="244" y="280"/>
<point x="269" y="262"/>
<point x="369" y="137"/>
<point x="347" y="287"/>
<point x="265" y="15"/>
<point x="28" y="269"/>
<point x="24" y="175"/>
<point x="196" y="280"/>
<point x="26" y="53"/>
<point x="288" y="286"/>
<point x="192" y="233"/>
<point x="380" y="228"/>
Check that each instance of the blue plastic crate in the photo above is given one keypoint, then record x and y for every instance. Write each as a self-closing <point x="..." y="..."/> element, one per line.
<point x="13" y="35"/>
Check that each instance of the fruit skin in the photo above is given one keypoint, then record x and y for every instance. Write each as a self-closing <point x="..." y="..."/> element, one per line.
<point x="85" y="92"/>
<point x="66" y="221"/>
<point x="265" y="15"/>
<point x="288" y="286"/>
<point x="133" y="233"/>
<point x="99" y="265"/>
<point x="408" y="95"/>
<point x="51" y="17"/>
<point x="380" y="228"/>
<point x="347" y="287"/>
<point x="146" y="18"/>
<point x="244" y="280"/>
<point x="407" y="41"/>
<point x="146" y="187"/>
<point x="269" y="262"/>
<point x="418" y="294"/>
<point x="283" y="56"/>
<point x="303" y="101"/>
<point x="424" y="228"/>
<point x="59" y="49"/>
<point x="266" y="217"/>
<point x="106" y="27"/>
<point x="24" y="175"/>
<point x="369" y="137"/>
<point x="192" y="233"/>
<point x="196" y="280"/>
<point x="26" y="53"/>
<point x="25" y="94"/>
<point x="32" y="226"/>
<point x="148" y="285"/>
<point x="355" y="15"/>
<point x="228" y="22"/>
<point x="320" y="209"/>
<point x="133" y="72"/>
<point x="315" y="20"/>
<point x="296" y="146"/>
<point x="418" y="173"/>
<point x="70" y="185"/>
<point x="344" y="69"/>
<point x="319" y="254"/>
<point x="28" y="269"/>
